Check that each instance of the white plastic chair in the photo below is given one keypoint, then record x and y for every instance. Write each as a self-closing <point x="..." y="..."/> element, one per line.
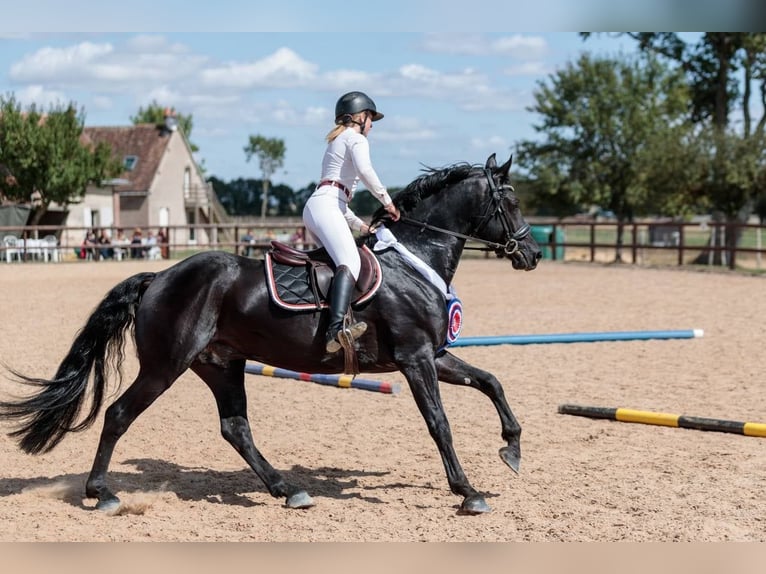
<point x="11" y="246"/>
<point x="50" y="248"/>
<point x="155" y="253"/>
<point x="34" y="248"/>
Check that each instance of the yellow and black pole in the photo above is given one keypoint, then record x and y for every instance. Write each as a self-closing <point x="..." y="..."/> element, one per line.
<point x="665" y="419"/>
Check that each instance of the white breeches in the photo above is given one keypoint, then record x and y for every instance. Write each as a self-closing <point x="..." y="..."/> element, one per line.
<point x="325" y="220"/>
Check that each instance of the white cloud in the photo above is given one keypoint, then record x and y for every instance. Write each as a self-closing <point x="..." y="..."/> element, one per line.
<point x="407" y="135"/>
<point x="532" y="68"/>
<point x="520" y="47"/>
<point x="283" y="113"/>
<point x="468" y="89"/>
<point x="102" y="102"/>
<point x="471" y="45"/>
<point x="154" y="43"/>
<point x="41" y="97"/>
<point x="107" y="68"/>
<point x="56" y="64"/>
<point x="202" y="106"/>
<point x="317" y="115"/>
<point x="283" y="68"/>
<point x="416" y="79"/>
<point x="345" y="80"/>
<point x="517" y="46"/>
<point x="491" y="143"/>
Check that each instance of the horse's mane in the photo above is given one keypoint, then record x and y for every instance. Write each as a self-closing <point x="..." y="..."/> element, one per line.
<point x="429" y="183"/>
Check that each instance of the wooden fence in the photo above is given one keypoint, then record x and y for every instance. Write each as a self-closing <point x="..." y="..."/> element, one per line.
<point x="653" y="242"/>
<point x="71" y="245"/>
<point x="642" y="243"/>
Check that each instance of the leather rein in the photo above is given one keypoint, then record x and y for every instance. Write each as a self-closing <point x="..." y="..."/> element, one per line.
<point x="494" y="209"/>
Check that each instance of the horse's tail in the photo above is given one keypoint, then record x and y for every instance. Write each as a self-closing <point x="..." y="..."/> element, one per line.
<point x="46" y="416"/>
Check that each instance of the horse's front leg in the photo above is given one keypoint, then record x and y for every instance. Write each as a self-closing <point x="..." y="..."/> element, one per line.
<point x="421" y="376"/>
<point x="455" y="371"/>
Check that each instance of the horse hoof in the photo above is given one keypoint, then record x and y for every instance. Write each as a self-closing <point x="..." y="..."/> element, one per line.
<point x="299" y="500"/>
<point x="510" y="457"/>
<point x="109" y="506"/>
<point x="473" y="505"/>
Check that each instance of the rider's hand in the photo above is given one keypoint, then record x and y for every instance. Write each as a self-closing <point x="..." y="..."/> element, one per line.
<point x="393" y="211"/>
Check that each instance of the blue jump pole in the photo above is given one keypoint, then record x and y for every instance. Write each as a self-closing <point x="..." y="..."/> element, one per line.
<point x="577" y="337"/>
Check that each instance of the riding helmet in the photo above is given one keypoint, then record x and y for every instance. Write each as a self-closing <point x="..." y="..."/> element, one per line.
<point x="353" y="103"/>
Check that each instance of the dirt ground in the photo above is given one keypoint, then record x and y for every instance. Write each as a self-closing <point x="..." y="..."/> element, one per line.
<point x="367" y="459"/>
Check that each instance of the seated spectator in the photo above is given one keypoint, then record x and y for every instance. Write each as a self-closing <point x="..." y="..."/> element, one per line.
<point x="88" y="249"/>
<point x="162" y="239"/>
<point x="248" y="238"/>
<point x="151" y="248"/>
<point x="118" y="245"/>
<point x="136" y="250"/>
<point x="298" y="239"/>
<point x="105" y="245"/>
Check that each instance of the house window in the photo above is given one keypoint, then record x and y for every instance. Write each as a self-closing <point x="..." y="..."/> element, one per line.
<point x="191" y="219"/>
<point x="129" y="163"/>
<point x="187" y="183"/>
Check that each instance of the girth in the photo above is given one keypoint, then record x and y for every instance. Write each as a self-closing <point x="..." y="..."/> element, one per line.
<point x="300" y="280"/>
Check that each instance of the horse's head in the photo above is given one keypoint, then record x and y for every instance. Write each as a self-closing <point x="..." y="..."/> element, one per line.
<point x="502" y="225"/>
<point x="468" y="203"/>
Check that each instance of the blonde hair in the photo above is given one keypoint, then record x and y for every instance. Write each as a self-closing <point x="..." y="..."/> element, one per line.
<point x="341" y="127"/>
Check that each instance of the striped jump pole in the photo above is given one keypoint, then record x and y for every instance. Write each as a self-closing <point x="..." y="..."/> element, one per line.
<point x="343" y="381"/>
<point x="665" y="419"/>
<point x="577" y="337"/>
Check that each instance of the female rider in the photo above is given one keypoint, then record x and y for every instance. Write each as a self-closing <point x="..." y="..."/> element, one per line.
<point x="327" y="214"/>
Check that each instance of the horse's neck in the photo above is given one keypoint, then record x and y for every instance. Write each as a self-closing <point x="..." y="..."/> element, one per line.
<point x="439" y="251"/>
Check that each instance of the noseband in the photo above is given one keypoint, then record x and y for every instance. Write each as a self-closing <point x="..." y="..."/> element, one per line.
<point x="494" y="209"/>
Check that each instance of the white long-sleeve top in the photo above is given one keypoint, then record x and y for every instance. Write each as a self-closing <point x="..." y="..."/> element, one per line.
<point x="347" y="161"/>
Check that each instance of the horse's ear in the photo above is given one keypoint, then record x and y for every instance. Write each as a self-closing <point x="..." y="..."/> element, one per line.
<point x="491" y="162"/>
<point x="506" y="167"/>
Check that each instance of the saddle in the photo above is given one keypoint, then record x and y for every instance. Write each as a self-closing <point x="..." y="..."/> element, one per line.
<point x="300" y="280"/>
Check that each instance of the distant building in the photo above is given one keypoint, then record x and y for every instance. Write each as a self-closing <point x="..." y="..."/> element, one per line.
<point x="161" y="185"/>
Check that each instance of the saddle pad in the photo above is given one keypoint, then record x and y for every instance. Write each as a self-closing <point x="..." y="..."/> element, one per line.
<point x="290" y="289"/>
<point x="289" y="286"/>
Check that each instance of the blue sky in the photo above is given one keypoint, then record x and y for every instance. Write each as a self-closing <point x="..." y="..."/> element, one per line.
<point x="447" y="96"/>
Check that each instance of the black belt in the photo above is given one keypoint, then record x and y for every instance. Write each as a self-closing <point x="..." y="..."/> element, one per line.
<point x="337" y="184"/>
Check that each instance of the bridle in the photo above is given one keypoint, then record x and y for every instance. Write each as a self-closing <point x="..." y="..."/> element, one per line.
<point x="494" y="209"/>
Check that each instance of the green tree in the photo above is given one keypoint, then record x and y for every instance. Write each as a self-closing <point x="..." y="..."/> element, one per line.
<point x="597" y="117"/>
<point x="240" y="196"/>
<point x="154" y="113"/>
<point x="47" y="157"/>
<point x="271" y="156"/>
<point x="243" y="196"/>
<point x="721" y="69"/>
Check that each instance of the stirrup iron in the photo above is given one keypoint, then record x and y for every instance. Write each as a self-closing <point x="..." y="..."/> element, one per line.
<point x="346" y="335"/>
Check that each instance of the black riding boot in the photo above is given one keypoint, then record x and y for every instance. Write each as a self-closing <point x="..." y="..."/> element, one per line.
<point x="340" y="299"/>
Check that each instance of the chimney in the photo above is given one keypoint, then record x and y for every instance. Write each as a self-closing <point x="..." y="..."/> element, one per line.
<point x="171" y="123"/>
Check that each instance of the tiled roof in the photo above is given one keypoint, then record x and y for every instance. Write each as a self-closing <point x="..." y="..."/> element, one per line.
<point x="147" y="142"/>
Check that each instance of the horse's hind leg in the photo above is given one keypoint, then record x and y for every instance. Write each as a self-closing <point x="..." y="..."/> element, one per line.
<point x="228" y="386"/>
<point x="118" y="417"/>
<point x="455" y="371"/>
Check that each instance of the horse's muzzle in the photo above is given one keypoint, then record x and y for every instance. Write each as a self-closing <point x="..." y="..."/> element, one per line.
<point x="522" y="257"/>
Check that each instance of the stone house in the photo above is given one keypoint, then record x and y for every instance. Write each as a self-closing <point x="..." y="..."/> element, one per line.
<point x="161" y="186"/>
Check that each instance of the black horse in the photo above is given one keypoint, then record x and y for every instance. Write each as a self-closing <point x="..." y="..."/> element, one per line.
<point x="211" y="312"/>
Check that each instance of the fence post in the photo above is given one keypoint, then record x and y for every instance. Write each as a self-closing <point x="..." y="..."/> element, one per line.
<point x="592" y="242"/>
<point x="634" y="247"/>
<point x="680" y="244"/>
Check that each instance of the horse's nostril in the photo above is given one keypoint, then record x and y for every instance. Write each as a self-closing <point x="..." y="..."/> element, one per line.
<point x="538" y="255"/>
